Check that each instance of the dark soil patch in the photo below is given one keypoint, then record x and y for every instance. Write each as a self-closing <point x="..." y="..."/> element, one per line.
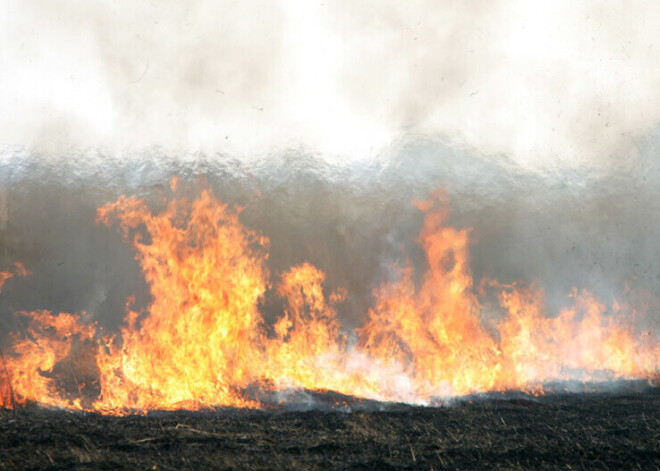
<point x="570" y="431"/>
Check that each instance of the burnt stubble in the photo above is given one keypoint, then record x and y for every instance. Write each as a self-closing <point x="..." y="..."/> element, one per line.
<point x="615" y="430"/>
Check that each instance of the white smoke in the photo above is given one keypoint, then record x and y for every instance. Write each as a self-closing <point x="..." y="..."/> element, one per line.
<point x="547" y="83"/>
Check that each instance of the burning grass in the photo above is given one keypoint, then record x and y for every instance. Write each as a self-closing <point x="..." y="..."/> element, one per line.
<point x="203" y="341"/>
<point x="592" y="430"/>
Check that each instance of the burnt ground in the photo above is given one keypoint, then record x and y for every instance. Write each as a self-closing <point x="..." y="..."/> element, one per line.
<point x="569" y="431"/>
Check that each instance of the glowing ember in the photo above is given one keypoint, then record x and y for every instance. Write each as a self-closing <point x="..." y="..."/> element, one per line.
<point x="202" y="341"/>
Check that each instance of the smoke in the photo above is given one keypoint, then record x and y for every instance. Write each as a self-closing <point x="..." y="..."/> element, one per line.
<point x="549" y="84"/>
<point x="565" y="230"/>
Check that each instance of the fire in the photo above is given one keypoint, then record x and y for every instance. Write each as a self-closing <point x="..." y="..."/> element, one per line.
<point x="202" y="340"/>
<point x="200" y="343"/>
<point x="582" y="342"/>
<point x="307" y="338"/>
<point x="47" y="344"/>
<point x="435" y="330"/>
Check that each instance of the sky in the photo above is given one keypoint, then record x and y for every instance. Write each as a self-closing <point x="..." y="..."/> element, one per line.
<point x="545" y="84"/>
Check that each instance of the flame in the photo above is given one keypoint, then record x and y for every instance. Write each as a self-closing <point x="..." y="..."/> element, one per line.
<point x="200" y="341"/>
<point x="434" y="330"/>
<point x="48" y="341"/>
<point x="203" y="342"/>
<point x="582" y="342"/>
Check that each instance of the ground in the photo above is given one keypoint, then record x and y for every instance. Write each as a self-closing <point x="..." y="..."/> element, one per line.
<point x="569" y="431"/>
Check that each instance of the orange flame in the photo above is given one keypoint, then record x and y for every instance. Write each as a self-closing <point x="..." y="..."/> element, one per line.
<point x="435" y="330"/>
<point x="202" y="341"/>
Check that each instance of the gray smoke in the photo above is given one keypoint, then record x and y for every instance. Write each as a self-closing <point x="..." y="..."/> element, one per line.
<point x="560" y="229"/>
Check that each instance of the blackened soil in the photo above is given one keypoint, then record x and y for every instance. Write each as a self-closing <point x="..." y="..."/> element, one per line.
<point x="570" y="431"/>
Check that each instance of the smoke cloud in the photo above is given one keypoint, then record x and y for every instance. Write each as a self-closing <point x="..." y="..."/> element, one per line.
<point x="563" y="231"/>
<point x="546" y="83"/>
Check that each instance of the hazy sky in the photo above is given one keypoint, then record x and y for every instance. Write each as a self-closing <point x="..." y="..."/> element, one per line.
<point x="548" y="83"/>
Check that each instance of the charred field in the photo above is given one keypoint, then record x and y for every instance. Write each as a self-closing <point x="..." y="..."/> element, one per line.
<point x="603" y="430"/>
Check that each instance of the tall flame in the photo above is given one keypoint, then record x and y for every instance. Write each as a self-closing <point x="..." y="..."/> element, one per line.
<point x="435" y="330"/>
<point x="202" y="340"/>
<point x="199" y="343"/>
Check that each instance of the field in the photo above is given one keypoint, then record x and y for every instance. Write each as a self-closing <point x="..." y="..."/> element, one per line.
<point x="615" y="430"/>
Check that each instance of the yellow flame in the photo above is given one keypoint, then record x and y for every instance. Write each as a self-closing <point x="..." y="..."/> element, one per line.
<point x="202" y="341"/>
